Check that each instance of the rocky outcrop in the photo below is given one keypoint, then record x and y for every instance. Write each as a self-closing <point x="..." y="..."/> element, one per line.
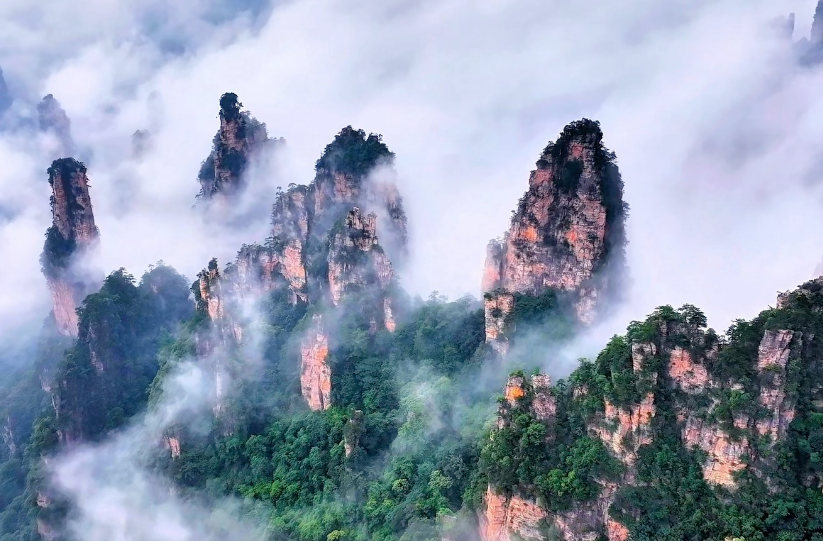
<point x="70" y="242"/>
<point x="725" y="456"/>
<point x="689" y="375"/>
<point x="52" y="119"/>
<point x="510" y="518"/>
<point x="625" y="430"/>
<point x="357" y="170"/>
<point x="172" y="443"/>
<point x="315" y="372"/>
<point x="356" y="260"/>
<point x="240" y="138"/>
<point x="323" y="247"/>
<point x="497" y="306"/>
<point x="568" y="227"/>
<point x="773" y="355"/>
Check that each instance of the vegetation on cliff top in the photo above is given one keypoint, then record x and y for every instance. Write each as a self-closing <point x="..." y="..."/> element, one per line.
<point x="354" y="153"/>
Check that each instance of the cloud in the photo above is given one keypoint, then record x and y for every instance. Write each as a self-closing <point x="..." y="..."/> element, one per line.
<point x="713" y="124"/>
<point x="116" y="496"/>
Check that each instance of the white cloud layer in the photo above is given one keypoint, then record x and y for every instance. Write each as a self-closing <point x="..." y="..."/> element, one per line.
<point x="715" y="127"/>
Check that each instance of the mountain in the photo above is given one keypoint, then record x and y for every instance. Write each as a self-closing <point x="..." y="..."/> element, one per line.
<point x="302" y="382"/>
<point x="70" y="242"/>
<point x="239" y="139"/>
<point x="566" y="235"/>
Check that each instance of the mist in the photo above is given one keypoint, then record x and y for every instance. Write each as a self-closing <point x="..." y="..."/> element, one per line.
<point x="711" y="118"/>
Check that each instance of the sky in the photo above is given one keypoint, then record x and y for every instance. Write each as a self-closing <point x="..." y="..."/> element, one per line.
<point x="714" y="124"/>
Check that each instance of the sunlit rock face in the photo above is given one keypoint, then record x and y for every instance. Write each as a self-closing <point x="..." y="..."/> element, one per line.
<point x="71" y="242"/>
<point x="567" y="229"/>
<point x="315" y="372"/>
<point x="510" y="518"/>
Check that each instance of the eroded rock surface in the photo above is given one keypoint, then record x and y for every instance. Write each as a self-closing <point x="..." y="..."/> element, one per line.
<point x="566" y="227"/>
<point x="71" y="243"/>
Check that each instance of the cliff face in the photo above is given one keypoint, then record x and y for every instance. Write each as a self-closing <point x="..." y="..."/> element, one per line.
<point x="356" y="170"/>
<point x="356" y="260"/>
<point x="52" y="119"/>
<point x="567" y="229"/>
<point x="238" y="140"/>
<point x="509" y="515"/>
<point x="730" y="402"/>
<point x="315" y="373"/>
<point x="71" y="239"/>
<point x="323" y="246"/>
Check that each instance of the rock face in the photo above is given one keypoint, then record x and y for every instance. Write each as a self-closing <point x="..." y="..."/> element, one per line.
<point x="731" y="450"/>
<point x="238" y="140"/>
<point x="53" y="119"/>
<point x="568" y="228"/>
<point x="356" y="170"/>
<point x="70" y="241"/>
<point x="315" y="373"/>
<point x="323" y="247"/>
<point x="510" y="518"/>
<point x="773" y="355"/>
<point x="356" y="260"/>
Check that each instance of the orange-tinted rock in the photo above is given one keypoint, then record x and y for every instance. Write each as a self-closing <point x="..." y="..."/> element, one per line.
<point x="70" y="242"/>
<point x="685" y="373"/>
<point x="514" y="390"/>
<point x="355" y="258"/>
<point x="510" y="518"/>
<point x="388" y="315"/>
<point x="724" y="456"/>
<point x="773" y="355"/>
<point x="559" y="234"/>
<point x="315" y="373"/>
<point x="616" y="531"/>
<point x="620" y="426"/>
<point x="172" y="443"/>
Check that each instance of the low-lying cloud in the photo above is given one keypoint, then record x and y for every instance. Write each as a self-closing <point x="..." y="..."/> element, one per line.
<point x="714" y="124"/>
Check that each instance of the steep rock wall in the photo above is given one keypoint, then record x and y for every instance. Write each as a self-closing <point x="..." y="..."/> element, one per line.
<point x="315" y="373"/>
<point x="239" y="138"/>
<point x="567" y="226"/>
<point x="71" y="242"/>
<point x="356" y="260"/>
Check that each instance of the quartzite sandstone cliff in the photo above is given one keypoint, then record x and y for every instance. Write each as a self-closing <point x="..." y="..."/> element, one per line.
<point x="239" y="140"/>
<point x="70" y="242"/>
<point x="566" y="234"/>
<point x="323" y="244"/>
